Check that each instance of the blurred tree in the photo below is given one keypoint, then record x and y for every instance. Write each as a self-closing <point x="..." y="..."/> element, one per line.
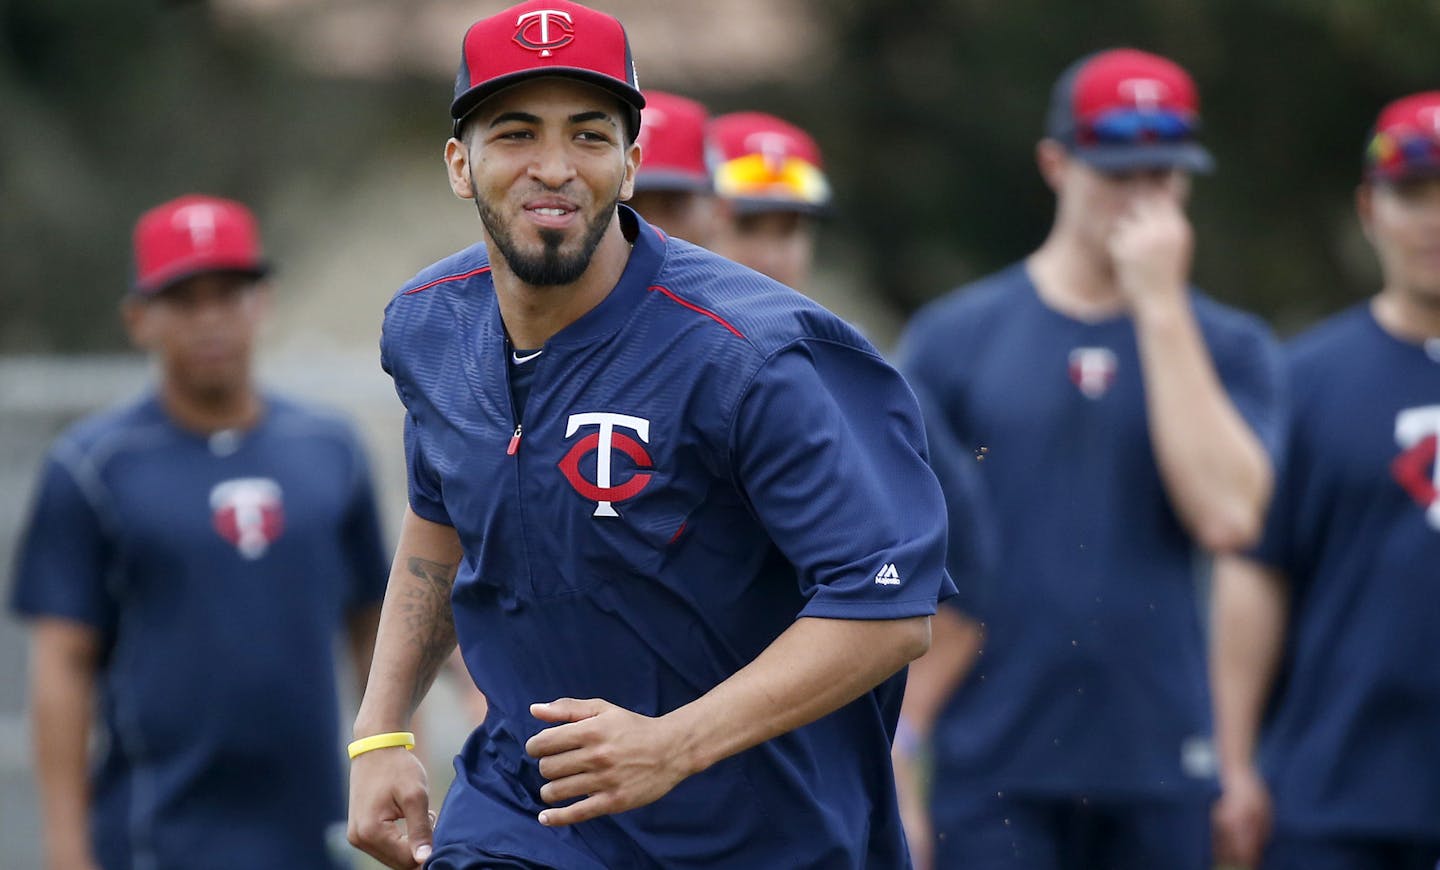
<point x="110" y="108"/>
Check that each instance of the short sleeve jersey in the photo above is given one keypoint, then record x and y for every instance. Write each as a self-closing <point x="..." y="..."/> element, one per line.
<point x="703" y="457"/>
<point x="1351" y="738"/>
<point x="1092" y="678"/>
<point x="218" y="572"/>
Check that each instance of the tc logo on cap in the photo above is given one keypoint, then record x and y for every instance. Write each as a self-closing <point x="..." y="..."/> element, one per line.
<point x="544" y="30"/>
<point x="1147" y="94"/>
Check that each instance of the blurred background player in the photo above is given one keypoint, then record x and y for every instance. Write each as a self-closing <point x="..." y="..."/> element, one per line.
<point x="189" y="560"/>
<point x="772" y="190"/>
<point x="672" y="186"/>
<point x="1332" y="624"/>
<point x="1124" y="421"/>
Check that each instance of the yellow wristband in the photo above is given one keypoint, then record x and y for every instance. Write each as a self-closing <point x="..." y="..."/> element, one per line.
<point x="382" y="741"/>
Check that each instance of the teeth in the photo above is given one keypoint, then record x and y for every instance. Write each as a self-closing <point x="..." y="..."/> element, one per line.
<point x="552" y="212"/>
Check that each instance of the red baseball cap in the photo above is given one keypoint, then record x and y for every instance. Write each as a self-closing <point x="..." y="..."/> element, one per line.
<point x="672" y="144"/>
<point x="192" y="235"/>
<point x="1405" y="142"/>
<point x="546" y="38"/>
<point x="762" y="163"/>
<point x="1122" y="110"/>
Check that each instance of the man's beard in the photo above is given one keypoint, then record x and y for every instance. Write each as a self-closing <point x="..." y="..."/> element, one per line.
<point x="549" y="268"/>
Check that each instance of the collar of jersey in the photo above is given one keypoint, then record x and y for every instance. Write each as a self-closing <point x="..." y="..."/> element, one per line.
<point x="615" y="310"/>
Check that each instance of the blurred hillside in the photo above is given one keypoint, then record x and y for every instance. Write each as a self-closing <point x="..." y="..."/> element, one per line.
<point x="328" y="116"/>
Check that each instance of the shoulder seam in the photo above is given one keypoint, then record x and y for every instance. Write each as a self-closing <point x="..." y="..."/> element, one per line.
<point x="685" y="303"/>
<point x="459" y="276"/>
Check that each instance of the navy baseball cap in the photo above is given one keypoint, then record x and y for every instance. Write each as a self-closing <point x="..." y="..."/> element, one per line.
<point x="546" y="38"/>
<point x="1123" y="110"/>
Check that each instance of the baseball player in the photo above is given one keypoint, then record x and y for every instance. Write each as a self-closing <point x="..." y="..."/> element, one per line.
<point x="1327" y="637"/>
<point x="772" y="190"/>
<point x="678" y="516"/>
<point x="1124" y="422"/>
<point x="672" y="186"/>
<point x="189" y="561"/>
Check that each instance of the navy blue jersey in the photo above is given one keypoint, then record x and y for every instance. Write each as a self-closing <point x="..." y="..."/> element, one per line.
<point x="1093" y="675"/>
<point x="218" y="571"/>
<point x="704" y="457"/>
<point x="1351" y="743"/>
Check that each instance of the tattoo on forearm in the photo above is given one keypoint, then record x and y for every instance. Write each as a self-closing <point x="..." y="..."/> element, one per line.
<point x="429" y="623"/>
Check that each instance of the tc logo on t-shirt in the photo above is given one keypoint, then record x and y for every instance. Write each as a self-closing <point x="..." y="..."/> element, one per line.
<point x="604" y="491"/>
<point x="1092" y="369"/>
<point x="249" y="513"/>
<point x="1417" y="430"/>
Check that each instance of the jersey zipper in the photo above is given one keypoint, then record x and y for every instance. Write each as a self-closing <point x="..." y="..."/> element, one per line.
<point x="513" y="449"/>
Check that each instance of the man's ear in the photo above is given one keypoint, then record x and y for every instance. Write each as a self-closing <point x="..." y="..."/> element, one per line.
<point x="633" y="155"/>
<point x="457" y="167"/>
<point x="136" y="315"/>
<point x="1051" y="158"/>
<point x="1365" y="208"/>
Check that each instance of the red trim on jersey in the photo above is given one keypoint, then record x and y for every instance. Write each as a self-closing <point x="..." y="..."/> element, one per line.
<point x="678" y="532"/>
<point x="698" y="310"/>
<point x="470" y="274"/>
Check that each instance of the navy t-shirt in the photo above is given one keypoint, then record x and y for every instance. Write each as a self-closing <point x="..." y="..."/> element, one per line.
<point x="1352" y="743"/>
<point x="219" y="571"/>
<point x="706" y="456"/>
<point x="1093" y="678"/>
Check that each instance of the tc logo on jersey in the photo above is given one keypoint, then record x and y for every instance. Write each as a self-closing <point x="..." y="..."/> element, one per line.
<point x="604" y="491"/>
<point x="544" y="30"/>
<point x="1092" y="369"/>
<point x="1417" y="430"/>
<point x="248" y="512"/>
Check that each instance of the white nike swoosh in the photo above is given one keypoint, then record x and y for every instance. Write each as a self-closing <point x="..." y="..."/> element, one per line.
<point x="524" y="359"/>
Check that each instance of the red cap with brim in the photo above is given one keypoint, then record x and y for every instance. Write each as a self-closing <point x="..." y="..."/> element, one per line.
<point x="762" y="163"/>
<point x="672" y="145"/>
<point x="193" y="235"/>
<point x="1405" y="142"/>
<point x="546" y="38"/>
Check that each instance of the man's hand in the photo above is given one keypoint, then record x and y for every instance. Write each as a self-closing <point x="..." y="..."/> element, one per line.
<point x="1151" y="247"/>
<point x="617" y="760"/>
<point x="388" y="786"/>
<point x="1241" y="820"/>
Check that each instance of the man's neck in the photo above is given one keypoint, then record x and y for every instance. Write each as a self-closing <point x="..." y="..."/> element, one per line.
<point x="1406" y="314"/>
<point x="1074" y="279"/>
<point x="207" y="413"/>
<point x="532" y="315"/>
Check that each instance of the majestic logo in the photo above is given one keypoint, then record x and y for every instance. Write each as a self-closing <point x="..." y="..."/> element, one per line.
<point x="1146" y="94"/>
<point x="1092" y="369"/>
<point x="604" y="491"/>
<point x="888" y="576"/>
<point x="544" y="30"/>
<point x="199" y="221"/>
<point x="248" y="512"/>
<point x="1417" y="430"/>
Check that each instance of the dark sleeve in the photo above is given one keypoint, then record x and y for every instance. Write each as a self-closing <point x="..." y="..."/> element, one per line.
<point x="363" y="543"/>
<point x="972" y="554"/>
<point x="426" y="498"/>
<point x="422" y="483"/>
<point x="828" y="447"/>
<point x="1252" y="370"/>
<point x="1277" y="546"/>
<point x="65" y="553"/>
